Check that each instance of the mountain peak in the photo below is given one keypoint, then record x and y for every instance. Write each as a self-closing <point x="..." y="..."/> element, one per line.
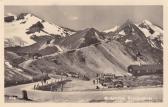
<point x="129" y="21"/>
<point x="26" y="25"/>
<point x="91" y="29"/>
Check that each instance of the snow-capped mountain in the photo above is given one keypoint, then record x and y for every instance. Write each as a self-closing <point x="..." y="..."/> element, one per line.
<point x="153" y="33"/>
<point x="150" y="29"/>
<point x="20" y="30"/>
<point x="138" y="43"/>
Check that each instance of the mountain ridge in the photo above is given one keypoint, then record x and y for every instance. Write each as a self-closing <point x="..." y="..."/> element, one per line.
<point x="87" y="52"/>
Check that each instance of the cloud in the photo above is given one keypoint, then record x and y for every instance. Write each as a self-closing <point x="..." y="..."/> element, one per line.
<point x="73" y="18"/>
<point x="70" y="16"/>
<point x="10" y="14"/>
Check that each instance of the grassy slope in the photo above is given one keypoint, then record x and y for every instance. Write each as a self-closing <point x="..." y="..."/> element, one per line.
<point x="108" y="57"/>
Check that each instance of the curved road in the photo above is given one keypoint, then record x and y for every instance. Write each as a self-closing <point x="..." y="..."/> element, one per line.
<point x="154" y="94"/>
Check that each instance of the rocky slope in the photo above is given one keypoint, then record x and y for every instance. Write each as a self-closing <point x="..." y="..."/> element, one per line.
<point x="137" y="43"/>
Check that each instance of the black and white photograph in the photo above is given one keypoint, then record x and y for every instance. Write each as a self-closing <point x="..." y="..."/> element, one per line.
<point x="83" y="53"/>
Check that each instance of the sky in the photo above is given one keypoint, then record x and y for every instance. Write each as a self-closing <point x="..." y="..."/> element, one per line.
<point x="99" y="17"/>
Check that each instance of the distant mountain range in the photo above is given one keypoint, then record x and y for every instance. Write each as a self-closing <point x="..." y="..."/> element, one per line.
<point x="87" y="52"/>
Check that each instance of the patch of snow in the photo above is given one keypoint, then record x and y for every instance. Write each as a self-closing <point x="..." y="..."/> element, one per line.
<point x="97" y="36"/>
<point x="145" y="31"/>
<point x="152" y="43"/>
<point x="20" y="70"/>
<point x="112" y="29"/>
<point x="11" y="72"/>
<point x="43" y="46"/>
<point x="122" y="32"/>
<point x="8" y="64"/>
<point x="128" y="41"/>
<point x="82" y="39"/>
<point x="52" y="41"/>
<point x="59" y="48"/>
<point x="53" y="29"/>
<point x="155" y="35"/>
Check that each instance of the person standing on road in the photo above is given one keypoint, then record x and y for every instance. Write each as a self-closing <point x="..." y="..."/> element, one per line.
<point x="94" y="82"/>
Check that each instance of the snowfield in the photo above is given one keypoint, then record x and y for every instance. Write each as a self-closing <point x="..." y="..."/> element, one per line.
<point x="18" y="28"/>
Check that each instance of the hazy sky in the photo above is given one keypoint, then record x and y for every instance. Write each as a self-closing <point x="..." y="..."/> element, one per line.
<point x="99" y="17"/>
